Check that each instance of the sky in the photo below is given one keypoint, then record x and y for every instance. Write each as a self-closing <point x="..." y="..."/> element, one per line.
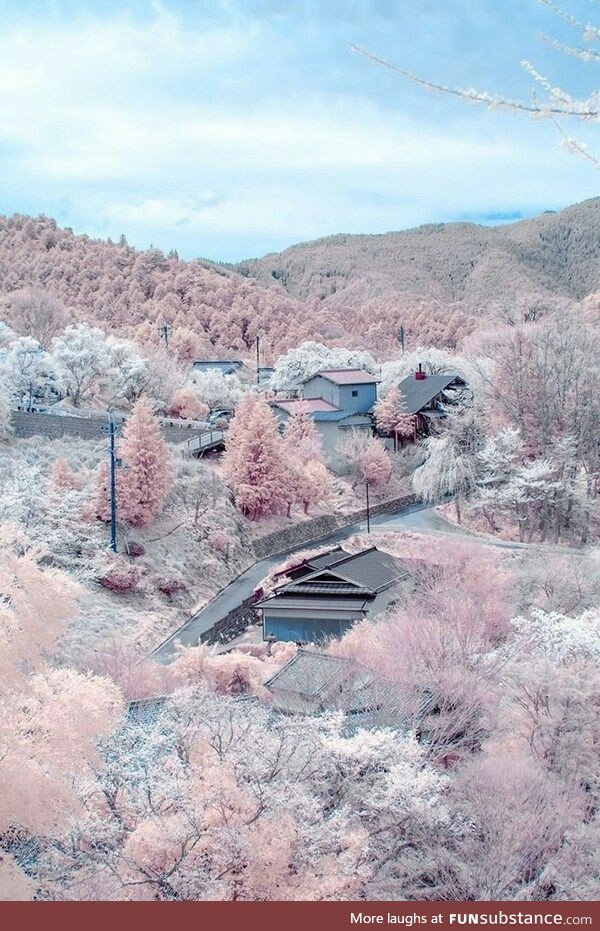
<point x="228" y="129"/>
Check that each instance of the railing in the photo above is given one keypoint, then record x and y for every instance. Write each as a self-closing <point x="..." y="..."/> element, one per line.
<point x="207" y="440"/>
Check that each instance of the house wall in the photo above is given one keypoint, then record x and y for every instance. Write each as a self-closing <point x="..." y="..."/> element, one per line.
<point x="318" y="387"/>
<point x="306" y="625"/>
<point x="359" y="398"/>
<point x="342" y="396"/>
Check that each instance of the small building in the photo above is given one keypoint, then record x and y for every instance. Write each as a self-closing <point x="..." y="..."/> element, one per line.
<point x="323" y="596"/>
<point x="426" y="396"/>
<point x="337" y="400"/>
<point x="224" y="366"/>
<point x="313" y="682"/>
<point x="347" y="389"/>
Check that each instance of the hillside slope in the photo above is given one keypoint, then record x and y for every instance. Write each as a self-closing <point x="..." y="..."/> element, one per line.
<point x="438" y="282"/>
<point x="555" y="256"/>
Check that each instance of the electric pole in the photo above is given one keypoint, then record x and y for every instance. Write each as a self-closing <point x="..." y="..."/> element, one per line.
<point x="113" y="483"/>
<point x="257" y="359"/>
<point x="368" y="508"/>
<point x="164" y="331"/>
<point x="401" y="337"/>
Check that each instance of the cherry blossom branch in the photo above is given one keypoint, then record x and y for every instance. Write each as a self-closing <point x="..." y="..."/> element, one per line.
<point x="587" y="110"/>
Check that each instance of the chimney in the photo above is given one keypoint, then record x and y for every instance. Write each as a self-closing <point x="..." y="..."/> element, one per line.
<point x="420" y="374"/>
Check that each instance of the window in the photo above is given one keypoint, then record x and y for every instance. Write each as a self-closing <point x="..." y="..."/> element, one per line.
<point x="355" y="392"/>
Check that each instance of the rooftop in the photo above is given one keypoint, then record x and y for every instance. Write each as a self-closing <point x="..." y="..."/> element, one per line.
<point x="370" y="569"/>
<point x="226" y="366"/>
<point x="419" y="392"/>
<point x="305" y="405"/>
<point x="345" y="376"/>
<point x="285" y="601"/>
<point x="310" y="672"/>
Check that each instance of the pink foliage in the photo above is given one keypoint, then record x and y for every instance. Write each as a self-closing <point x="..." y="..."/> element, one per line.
<point x="187" y="405"/>
<point x="239" y="672"/>
<point x="367" y="458"/>
<point x="51" y="718"/>
<point x="121" y="576"/>
<point x="63" y="477"/>
<point x="149" y="474"/>
<point x="302" y="440"/>
<point x="254" y="461"/>
<point x="391" y="417"/>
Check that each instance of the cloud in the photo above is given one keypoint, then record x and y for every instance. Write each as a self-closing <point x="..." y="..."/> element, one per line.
<point x="224" y="132"/>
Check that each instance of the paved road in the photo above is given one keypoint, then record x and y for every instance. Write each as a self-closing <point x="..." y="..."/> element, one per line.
<point x="415" y="517"/>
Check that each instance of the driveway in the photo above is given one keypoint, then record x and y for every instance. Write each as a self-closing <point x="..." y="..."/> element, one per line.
<point x="417" y="517"/>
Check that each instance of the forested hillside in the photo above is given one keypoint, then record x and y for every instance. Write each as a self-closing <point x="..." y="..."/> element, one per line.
<point x="550" y="260"/>
<point x="439" y="282"/>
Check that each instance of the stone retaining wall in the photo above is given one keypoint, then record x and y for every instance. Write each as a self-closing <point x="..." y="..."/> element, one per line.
<point x="233" y="624"/>
<point x="310" y="531"/>
<point x="53" y="426"/>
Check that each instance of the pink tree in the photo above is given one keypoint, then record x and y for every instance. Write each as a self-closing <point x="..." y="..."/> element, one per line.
<point x="63" y="477"/>
<point x="255" y="461"/>
<point x="315" y="486"/>
<point x="391" y="417"/>
<point x="149" y="474"/>
<point x="99" y="508"/>
<point x="186" y="404"/>
<point x="50" y="718"/>
<point x="302" y="439"/>
<point x="367" y="458"/>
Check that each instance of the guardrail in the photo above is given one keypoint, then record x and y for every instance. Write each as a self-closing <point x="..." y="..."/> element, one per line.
<point x="207" y="440"/>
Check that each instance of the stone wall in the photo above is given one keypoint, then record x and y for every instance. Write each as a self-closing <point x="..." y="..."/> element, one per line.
<point x="310" y="531"/>
<point x="233" y="624"/>
<point x="54" y="426"/>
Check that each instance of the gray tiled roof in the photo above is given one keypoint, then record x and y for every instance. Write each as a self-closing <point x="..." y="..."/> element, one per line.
<point x="286" y="601"/>
<point x="341" y="684"/>
<point x="371" y="569"/>
<point x="300" y="587"/>
<point x="419" y="392"/>
<point x="335" y="415"/>
<point x="225" y="366"/>
<point x="310" y="672"/>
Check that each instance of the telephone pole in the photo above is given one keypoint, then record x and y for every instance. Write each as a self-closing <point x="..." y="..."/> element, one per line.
<point x="113" y="483"/>
<point x="368" y="508"/>
<point x="164" y="331"/>
<point x="401" y="337"/>
<point x="257" y="359"/>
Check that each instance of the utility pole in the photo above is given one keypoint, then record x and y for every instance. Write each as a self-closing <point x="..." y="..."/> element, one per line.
<point x="368" y="508"/>
<point x="257" y="359"/>
<point x="113" y="483"/>
<point x="401" y="337"/>
<point x="30" y="403"/>
<point x="164" y="331"/>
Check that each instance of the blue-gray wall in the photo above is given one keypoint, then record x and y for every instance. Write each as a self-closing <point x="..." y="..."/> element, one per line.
<point x="342" y="396"/>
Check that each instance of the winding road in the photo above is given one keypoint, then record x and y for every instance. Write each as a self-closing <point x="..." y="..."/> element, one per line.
<point x="418" y="517"/>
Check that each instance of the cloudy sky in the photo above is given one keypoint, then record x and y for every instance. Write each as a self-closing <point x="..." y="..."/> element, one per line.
<point x="230" y="128"/>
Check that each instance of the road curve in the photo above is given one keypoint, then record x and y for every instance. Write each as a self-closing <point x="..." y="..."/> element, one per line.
<point x="418" y="517"/>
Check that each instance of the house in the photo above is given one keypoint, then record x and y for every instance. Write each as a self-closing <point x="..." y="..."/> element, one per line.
<point x="346" y="389"/>
<point x="337" y="400"/>
<point x="425" y="395"/>
<point x="324" y="595"/>
<point x="225" y="366"/>
<point x="313" y="682"/>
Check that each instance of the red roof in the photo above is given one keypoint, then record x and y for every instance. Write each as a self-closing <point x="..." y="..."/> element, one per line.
<point x="346" y="376"/>
<point x="302" y="405"/>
